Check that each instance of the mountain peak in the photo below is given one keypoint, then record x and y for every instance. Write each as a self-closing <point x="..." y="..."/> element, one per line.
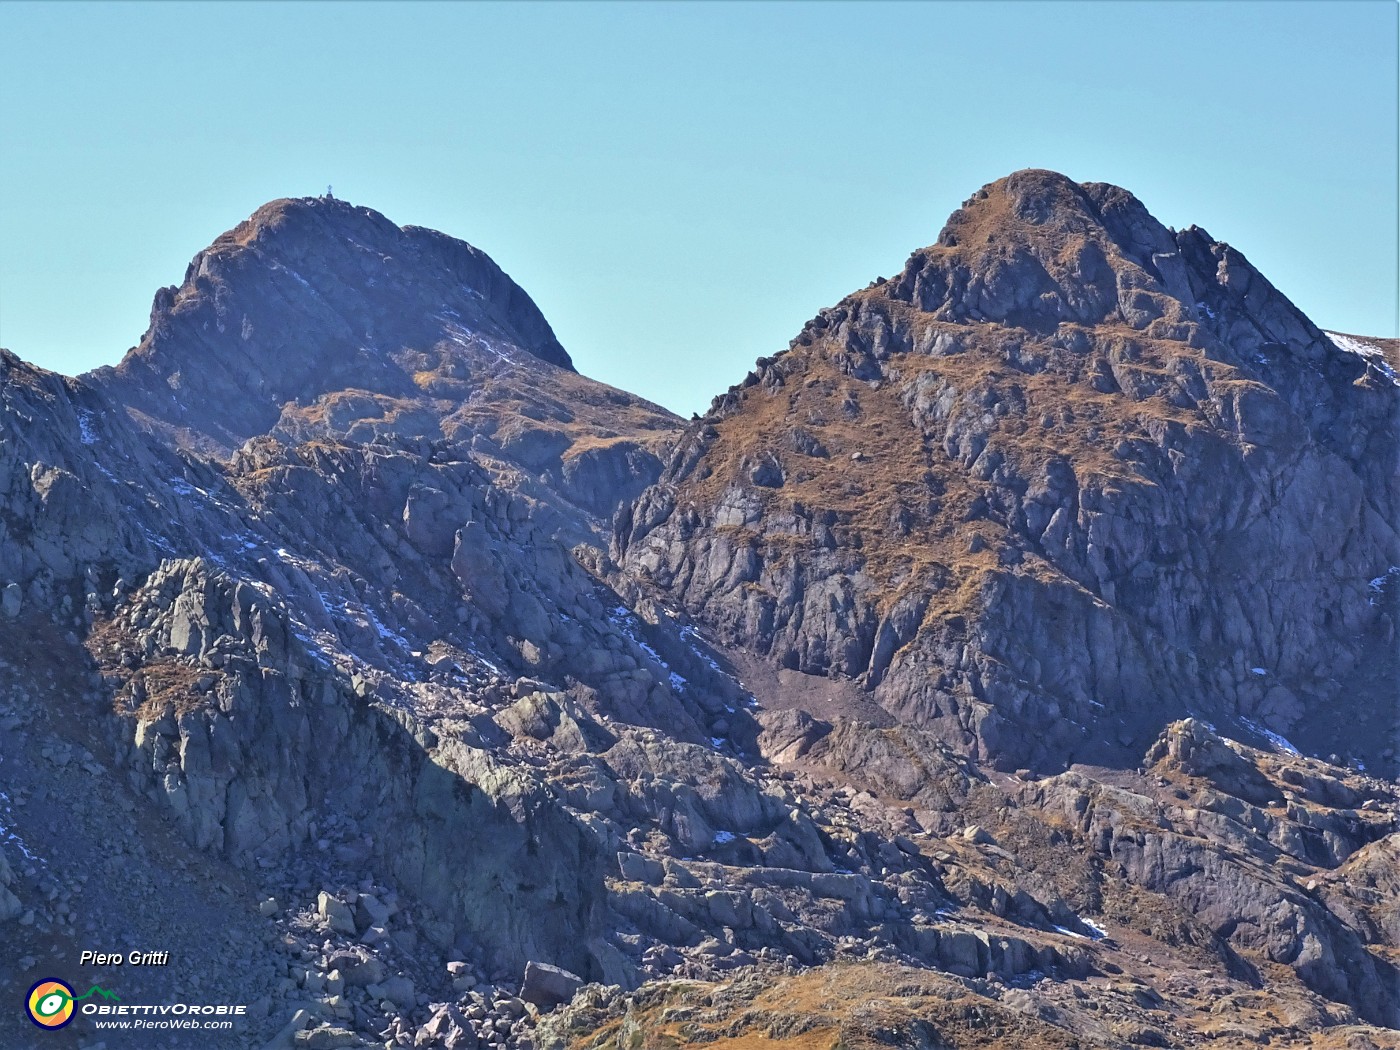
<point x="1035" y="202"/>
<point x="1036" y="249"/>
<point x="293" y="216"/>
<point x="322" y="247"/>
<point x="949" y="459"/>
<point x="1033" y="197"/>
<point x="313" y="294"/>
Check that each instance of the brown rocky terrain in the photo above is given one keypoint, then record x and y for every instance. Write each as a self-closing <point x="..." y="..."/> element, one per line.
<point x="1010" y="663"/>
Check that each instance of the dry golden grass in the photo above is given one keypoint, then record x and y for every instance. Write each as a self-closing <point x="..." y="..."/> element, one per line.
<point x="905" y="506"/>
<point x="270" y="214"/>
<point x="170" y="684"/>
<point x="819" y="1039"/>
<point x="854" y="1006"/>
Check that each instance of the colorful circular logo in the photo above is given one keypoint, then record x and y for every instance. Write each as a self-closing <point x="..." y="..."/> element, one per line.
<point x="50" y="1003"/>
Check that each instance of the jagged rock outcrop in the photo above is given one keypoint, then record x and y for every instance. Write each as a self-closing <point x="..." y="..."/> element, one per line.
<point x="252" y="741"/>
<point x="310" y="593"/>
<point x="1068" y="476"/>
<point x="1236" y="846"/>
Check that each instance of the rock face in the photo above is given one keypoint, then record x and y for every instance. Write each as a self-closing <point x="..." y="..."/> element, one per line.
<point x="351" y="638"/>
<point x="1068" y="476"/>
<point x="316" y="319"/>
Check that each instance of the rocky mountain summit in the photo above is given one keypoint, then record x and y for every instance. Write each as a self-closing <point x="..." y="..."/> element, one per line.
<point x="318" y="319"/>
<point x="1009" y="663"/>
<point x="1066" y="477"/>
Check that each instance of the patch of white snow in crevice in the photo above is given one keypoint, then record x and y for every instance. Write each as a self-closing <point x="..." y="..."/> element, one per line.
<point x="488" y="664"/>
<point x="398" y="640"/>
<point x="86" y="434"/>
<point x="724" y="837"/>
<point x="277" y="266"/>
<point x="469" y="340"/>
<point x="1096" y="932"/>
<point x="1279" y="742"/>
<point x="688" y="634"/>
<point x="627" y="621"/>
<point x="1368" y="352"/>
<point x="1377" y="586"/>
<point x="12" y="837"/>
<point x="158" y="542"/>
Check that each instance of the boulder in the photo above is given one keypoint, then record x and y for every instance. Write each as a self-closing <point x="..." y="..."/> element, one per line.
<point x="447" y="1029"/>
<point x="336" y="913"/>
<point x="548" y="986"/>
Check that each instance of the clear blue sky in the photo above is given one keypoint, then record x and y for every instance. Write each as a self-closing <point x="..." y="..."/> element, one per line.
<point x="679" y="186"/>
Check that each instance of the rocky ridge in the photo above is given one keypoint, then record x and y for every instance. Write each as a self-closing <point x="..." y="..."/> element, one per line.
<point x="455" y="775"/>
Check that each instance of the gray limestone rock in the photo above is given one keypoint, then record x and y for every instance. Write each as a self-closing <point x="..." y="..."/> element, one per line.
<point x="336" y="912"/>
<point x="548" y="986"/>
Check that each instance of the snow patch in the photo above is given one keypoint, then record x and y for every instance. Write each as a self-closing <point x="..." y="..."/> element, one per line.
<point x="468" y="340"/>
<point x="1096" y="932"/>
<point x="1280" y="744"/>
<point x="13" y="837"/>
<point x="625" y="619"/>
<point x="1377" y="586"/>
<point x="1368" y="352"/>
<point x="86" y="433"/>
<point x="158" y="542"/>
